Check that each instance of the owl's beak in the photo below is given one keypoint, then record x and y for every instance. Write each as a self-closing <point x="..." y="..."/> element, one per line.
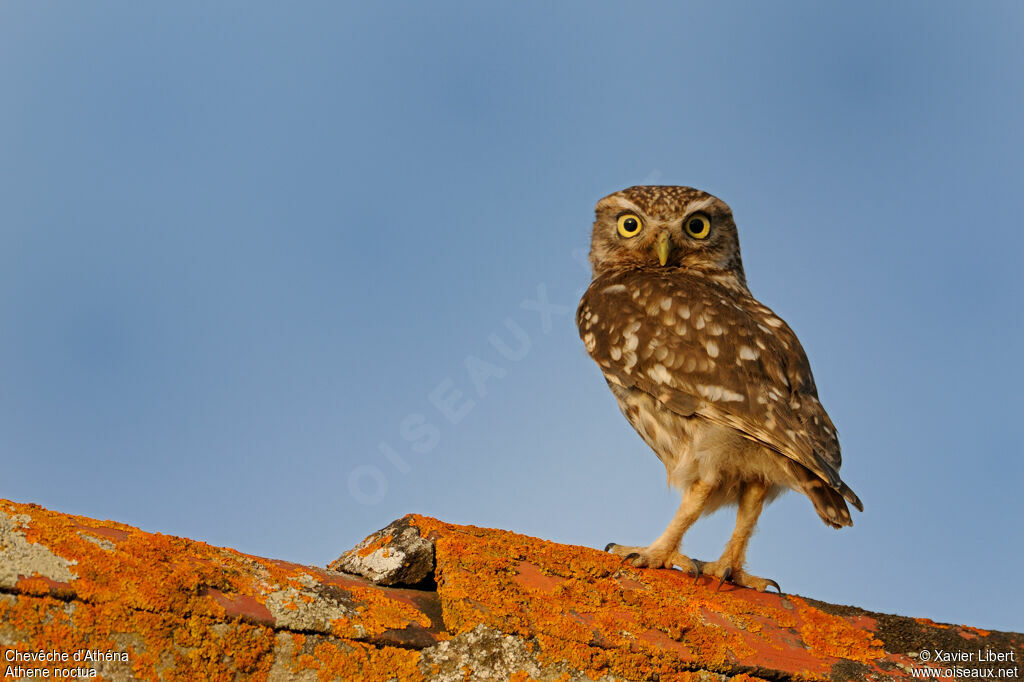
<point x="662" y="247"/>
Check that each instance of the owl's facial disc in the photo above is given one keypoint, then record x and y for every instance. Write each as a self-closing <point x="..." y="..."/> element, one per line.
<point x="662" y="246"/>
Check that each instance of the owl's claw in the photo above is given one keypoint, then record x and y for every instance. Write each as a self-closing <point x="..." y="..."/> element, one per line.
<point x="725" y="576"/>
<point x="629" y="557"/>
<point x="736" y="576"/>
<point x="649" y="557"/>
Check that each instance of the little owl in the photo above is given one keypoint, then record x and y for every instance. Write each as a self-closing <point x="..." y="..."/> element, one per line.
<point x="710" y="378"/>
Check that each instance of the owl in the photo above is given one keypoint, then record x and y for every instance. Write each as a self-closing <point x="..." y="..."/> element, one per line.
<point x="715" y="383"/>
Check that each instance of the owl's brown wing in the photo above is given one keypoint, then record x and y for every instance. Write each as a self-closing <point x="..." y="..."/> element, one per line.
<point x="701" y="349"/>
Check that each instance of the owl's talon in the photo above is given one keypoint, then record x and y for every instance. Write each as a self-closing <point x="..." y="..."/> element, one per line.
<point x="698" y="570"/>
<point x="629" y="557"/>
<point x="725" y="576"/>
<point x="609" y="546"/>
<point x="773" y="584"/>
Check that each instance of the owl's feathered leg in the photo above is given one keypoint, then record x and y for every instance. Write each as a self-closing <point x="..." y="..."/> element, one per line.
<point x="730" y="565"/>
<point x="664" y="552"/>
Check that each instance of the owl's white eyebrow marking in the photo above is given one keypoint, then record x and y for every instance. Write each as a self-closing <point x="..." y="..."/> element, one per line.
<point x="700" y="205"/>
<point x="614" y="289"/>
<point x="618" y="202"/>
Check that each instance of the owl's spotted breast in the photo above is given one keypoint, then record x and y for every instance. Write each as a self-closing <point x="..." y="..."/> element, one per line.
<point x="699" y="347"/>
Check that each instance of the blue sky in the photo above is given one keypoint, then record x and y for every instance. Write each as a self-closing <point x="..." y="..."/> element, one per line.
<point x="252" y="257"/>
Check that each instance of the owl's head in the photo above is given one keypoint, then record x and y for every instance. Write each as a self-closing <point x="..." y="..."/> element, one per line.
<point x="665" y="227"/>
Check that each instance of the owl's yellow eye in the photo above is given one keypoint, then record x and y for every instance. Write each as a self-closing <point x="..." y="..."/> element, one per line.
<point x="698" y="226"/>
<point x="629" y="225"/>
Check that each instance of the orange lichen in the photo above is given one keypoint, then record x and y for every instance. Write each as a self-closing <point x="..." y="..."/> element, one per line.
<point x="835" y="636"/>
<point x="182" y="610"/>
<point x="354" y="660"/>
<point x="525" y="586"/>
<point x="585" y="611"/>
<point x="162" y="573"/>
<point x="169" y="593"/>
<point x="378" y="543"/>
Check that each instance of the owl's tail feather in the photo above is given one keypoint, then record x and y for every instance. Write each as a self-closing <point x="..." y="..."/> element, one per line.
<point x="828" y="502"/>
<point x="850" y="496"/>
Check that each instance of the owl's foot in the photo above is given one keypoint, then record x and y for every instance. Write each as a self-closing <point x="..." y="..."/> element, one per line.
<point x="725" y="571"/>
<point x="652" y="557"/>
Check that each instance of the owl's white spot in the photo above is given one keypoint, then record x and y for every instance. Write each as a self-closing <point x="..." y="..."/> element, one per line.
<point x="748" y="353"/>
<point x="763" y="328"/>
<point x="668" y="320"/>
<point x="616" y="289"/>
<point x="830" y="510"/>
<point x="630" y="360"/>
<point x="715" y="329"/>
<point x="681" y="329"/>
<point x="631" y="341"/>
<point x="659" y="374"/>
<point x="613" y="379"/>
<point x="683" y="311"/>
<point x="632" y="327"/>
<point x="699" y="322"/>
<point x="590" y="342"/>
<point x="615" y="352"/>
<point x="761" y="400"/>
<point x="794" y="404"/>
<point x="719" y="394"/>
<point x="712" y="348"/>
<point x="773" y="321"/>
<point x="594" y="319"/>
<point x="690" y="364"/>
<point x="666" y="303"/>
<point x="660" y="353"/>
<point x="636" y="293"/>
<point x="760" y="343"/>
<point x="710" y="392"/>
